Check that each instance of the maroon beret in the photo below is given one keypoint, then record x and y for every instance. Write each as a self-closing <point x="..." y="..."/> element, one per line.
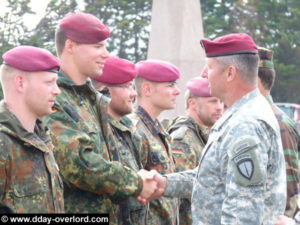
<point x="32" y="59"/>
<point x="157" y="71"/>
<point x="231" y="44"/>
<point x="198" y="86"/>
<point x="84" y="28"/>
<point x="117" y="71"/>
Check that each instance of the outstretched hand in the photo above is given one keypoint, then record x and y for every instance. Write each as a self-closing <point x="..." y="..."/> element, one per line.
<point x="154" y="186"/>
<point x="284" y="220"/>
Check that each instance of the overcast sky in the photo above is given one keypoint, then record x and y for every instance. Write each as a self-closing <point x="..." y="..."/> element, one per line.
<point x="38" y="6"/>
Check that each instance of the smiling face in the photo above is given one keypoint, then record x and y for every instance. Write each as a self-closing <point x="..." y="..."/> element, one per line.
<point x="122" y="97"/>
<point x="40" y="91"/>
<point x="90" y="58"/>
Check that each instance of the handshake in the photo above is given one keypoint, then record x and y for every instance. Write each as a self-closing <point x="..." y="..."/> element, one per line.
<point x="154" y="186"/>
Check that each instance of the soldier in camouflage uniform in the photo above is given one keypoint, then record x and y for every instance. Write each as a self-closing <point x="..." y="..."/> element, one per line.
<point x="94" y="183"/>
<point x="29" y="176"/>
<point x="190" y="133"/>
<point x="157" y="91"/>
<point x="289" y="135"/>
<point x="241" y="175"/>
<point x="117" y="77"/>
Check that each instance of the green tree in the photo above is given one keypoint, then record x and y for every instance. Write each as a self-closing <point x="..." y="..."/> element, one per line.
<point x="272" y="24"/>
<point x="129" y="24"/>
<point x="43" y="34"/>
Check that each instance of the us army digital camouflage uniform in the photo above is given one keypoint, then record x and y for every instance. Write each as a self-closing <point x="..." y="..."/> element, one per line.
<point x="291" y="146"/>
<point x="188" y="141"/>
<point x="156" y="154"/>
<point x="241" y="175"/>
<point x="93" y="182"/>
<point x="29" y="175"/>
<point x="124" y="146"/>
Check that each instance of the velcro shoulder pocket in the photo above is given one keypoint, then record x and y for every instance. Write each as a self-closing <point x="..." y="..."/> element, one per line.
<point x="179" y="133"/>
<point x="245" y="164"/>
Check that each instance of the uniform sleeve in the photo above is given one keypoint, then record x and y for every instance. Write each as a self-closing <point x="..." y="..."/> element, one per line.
<point x="84" y="164"/>
<point x="4" y="159"/>
<point x="186" y="149"/>
<point x="180" y="184"/>
<point x="290" y="148"/>
<point x="252" y="163"/>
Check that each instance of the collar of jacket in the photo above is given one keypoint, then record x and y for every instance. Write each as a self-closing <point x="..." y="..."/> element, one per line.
<point x="234" y="108"/>
<point x="154" y="126"/>
<point x="11" y="125"/>
<point x="190" y="123"/>
<point x="65" y="81"/>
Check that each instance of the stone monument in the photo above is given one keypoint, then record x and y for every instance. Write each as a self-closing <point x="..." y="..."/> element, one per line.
<point x="176" y="30"/>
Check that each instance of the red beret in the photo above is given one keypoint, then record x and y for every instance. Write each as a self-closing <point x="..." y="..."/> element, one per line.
<point x="32" y="59"/>
<point x="198" y="86"/>
<point x="117" y="71"/>
<point x="157" y="71"/>
<point x="84" y="28"/>
<point x="231" y="44"/>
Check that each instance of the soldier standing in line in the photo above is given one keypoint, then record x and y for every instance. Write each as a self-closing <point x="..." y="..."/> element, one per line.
<point x="29" y="176"/>
<point x="241" y="175"/>
<point x="93" y="182"/>
<point x="290" y="137"/>
<point x="117" y="77"/>
<point x="157" y="91"/>
<point x="190" y="133"/>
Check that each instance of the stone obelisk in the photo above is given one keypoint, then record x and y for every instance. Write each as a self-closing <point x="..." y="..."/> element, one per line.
<point x="176" y="30"/>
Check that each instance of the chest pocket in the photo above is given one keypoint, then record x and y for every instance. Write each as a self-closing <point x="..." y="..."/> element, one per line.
<point x="158" y="159"/>
<point x="31" y="195"/>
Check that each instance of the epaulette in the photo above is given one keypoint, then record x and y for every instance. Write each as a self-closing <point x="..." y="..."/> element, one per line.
<point x="179" y="133"/>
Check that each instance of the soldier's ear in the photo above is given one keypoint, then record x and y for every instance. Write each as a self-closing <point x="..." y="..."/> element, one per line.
<point x="231" y="73"/>
<point x="19" y="82"/>
<point x="69" y="45"/>
<point x="147" y="88"/>
<point x="192" y="103"/>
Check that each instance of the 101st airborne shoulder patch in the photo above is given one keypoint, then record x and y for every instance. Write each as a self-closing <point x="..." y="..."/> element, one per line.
<point x="245" y="164"/>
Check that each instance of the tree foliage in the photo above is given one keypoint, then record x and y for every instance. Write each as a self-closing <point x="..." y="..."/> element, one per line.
<point x="129" y="23"/>
<point x="272" y="23"/>
<point x="12" y="27"/>
<point x="43" y="34"/>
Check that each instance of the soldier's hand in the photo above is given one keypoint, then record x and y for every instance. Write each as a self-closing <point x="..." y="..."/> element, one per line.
<point x="161" y="186"/>
<point x="284" y="220"/>
<point x="149" y="185"/>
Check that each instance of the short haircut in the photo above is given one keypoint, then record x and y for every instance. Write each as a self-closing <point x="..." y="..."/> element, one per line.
<point x="7" y="74"/>
<point x="60" y="40"/>
<point x="267" y="77"/>
<point x="246" y="65"/>
<point x="187" y="96"/>
<point x="138" y="81"/>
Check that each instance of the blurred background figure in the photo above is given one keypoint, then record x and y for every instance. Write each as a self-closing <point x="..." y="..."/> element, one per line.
<point x="289" y="135"/>
<point x="190" y="133"/>
<point x="156" y="91"/>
